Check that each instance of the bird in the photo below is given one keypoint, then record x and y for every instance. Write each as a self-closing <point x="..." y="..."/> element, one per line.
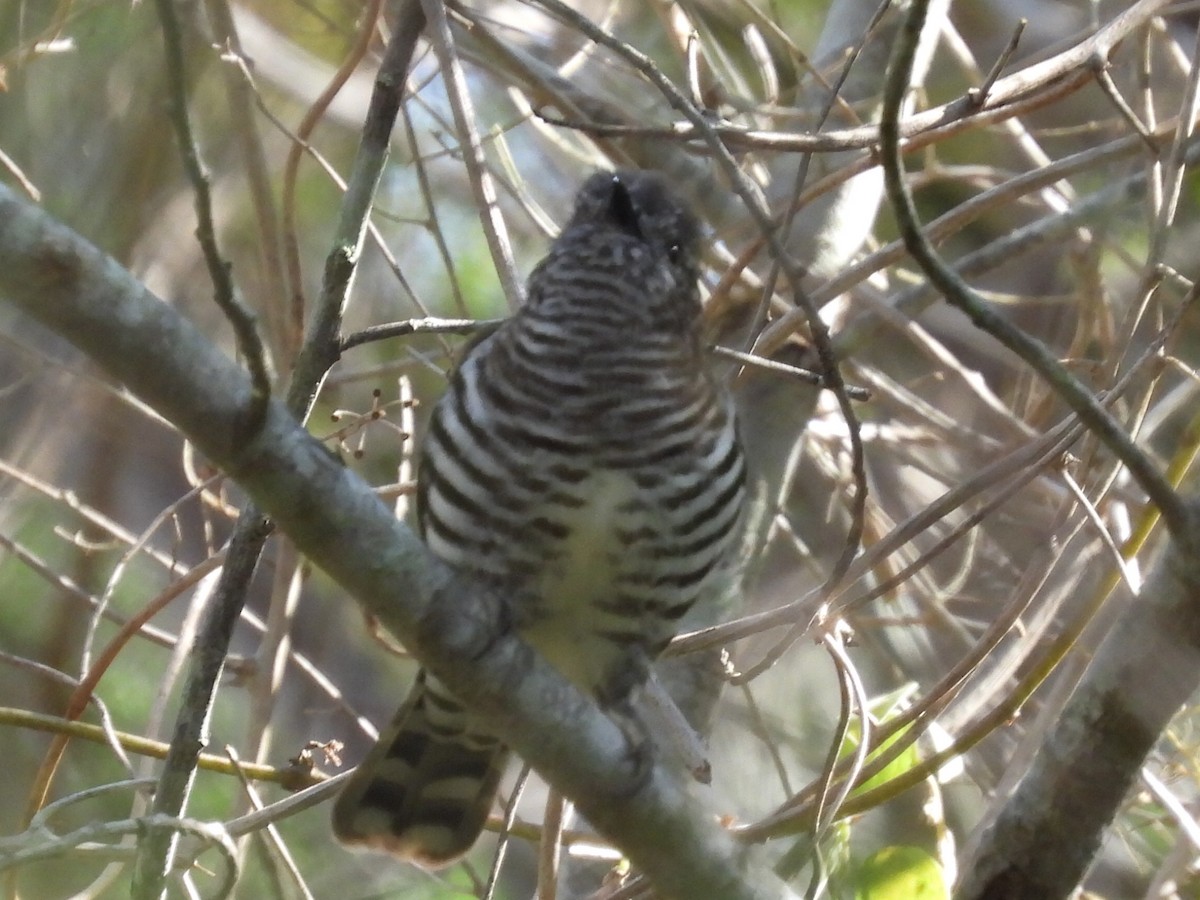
<point x="585" y="463"/>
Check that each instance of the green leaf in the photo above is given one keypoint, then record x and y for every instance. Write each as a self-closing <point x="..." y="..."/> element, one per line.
<point x="902" y="873"/>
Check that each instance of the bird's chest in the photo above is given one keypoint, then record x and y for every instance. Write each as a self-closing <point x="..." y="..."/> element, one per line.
<point x="601" y="554"/>
<point x="587" y="555"/>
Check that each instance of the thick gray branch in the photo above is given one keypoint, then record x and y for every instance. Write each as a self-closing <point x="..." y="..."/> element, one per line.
<point x="334" y="518"/>
<point x="1045" y="837"/>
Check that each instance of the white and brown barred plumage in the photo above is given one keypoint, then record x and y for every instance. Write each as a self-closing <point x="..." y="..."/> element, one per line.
<point x="586" y="464"/>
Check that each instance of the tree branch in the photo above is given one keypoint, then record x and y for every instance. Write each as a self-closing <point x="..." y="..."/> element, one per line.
<point x="335" y="519"/>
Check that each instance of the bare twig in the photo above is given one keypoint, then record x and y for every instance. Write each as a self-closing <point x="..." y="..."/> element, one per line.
<point x="314" y="114"/>
<point x="428" y="325"/>
<point x="242" y="99"/>
<point x="23" y="718"/>
<point x="472" y="152"/>
<point x="224" y="291"/>
<point x="979" y="95"/>
<point x="808" y="377"/>
<point x="550" y="848"/>
<point x="1114" y="95"/>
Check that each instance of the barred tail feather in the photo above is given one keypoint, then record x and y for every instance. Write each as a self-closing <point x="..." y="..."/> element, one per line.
<point x="424" y="791"/>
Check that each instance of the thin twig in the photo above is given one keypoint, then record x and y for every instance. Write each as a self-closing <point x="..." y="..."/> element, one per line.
<point x="550" y="847"/>
<point x="292" y="777"/>
<point x="242" y="99"/>
<point x="224" y="291"/>
<point x="278" y="848"/>
<point x="80" y="696"/>
<point x="1114" y="95"/>
<point x="833" y="97"/>
<point x="68" y="587"/>
<point x="1018" y="461"/>
<point x="979" y="94"/>
<point x="854" y="700"/>
<point x="426" y="325"/>
<point x="312" y="117"/>
<point x="322" y="341"/>
<point x="806" y="375"/>
<point x="1175" y="167"/>
<point x="510" y="816"/>
<point x="472" y="152"/>
<point x="156" y="849"/>
<point x="432" y="224"/>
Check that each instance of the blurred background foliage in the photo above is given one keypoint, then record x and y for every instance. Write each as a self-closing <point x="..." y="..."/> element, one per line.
<point x="102" y="507"/>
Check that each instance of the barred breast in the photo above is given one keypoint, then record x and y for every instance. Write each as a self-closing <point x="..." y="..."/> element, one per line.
<point x="598" y="482"/>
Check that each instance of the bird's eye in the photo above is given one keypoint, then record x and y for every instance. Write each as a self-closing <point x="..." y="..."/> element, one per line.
<point x="675" y="253"/>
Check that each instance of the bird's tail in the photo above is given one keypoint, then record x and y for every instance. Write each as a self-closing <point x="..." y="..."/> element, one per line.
<point x="425" y="789"/>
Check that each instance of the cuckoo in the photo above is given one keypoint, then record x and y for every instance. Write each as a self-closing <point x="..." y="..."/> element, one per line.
<point x="584" y="464"/>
